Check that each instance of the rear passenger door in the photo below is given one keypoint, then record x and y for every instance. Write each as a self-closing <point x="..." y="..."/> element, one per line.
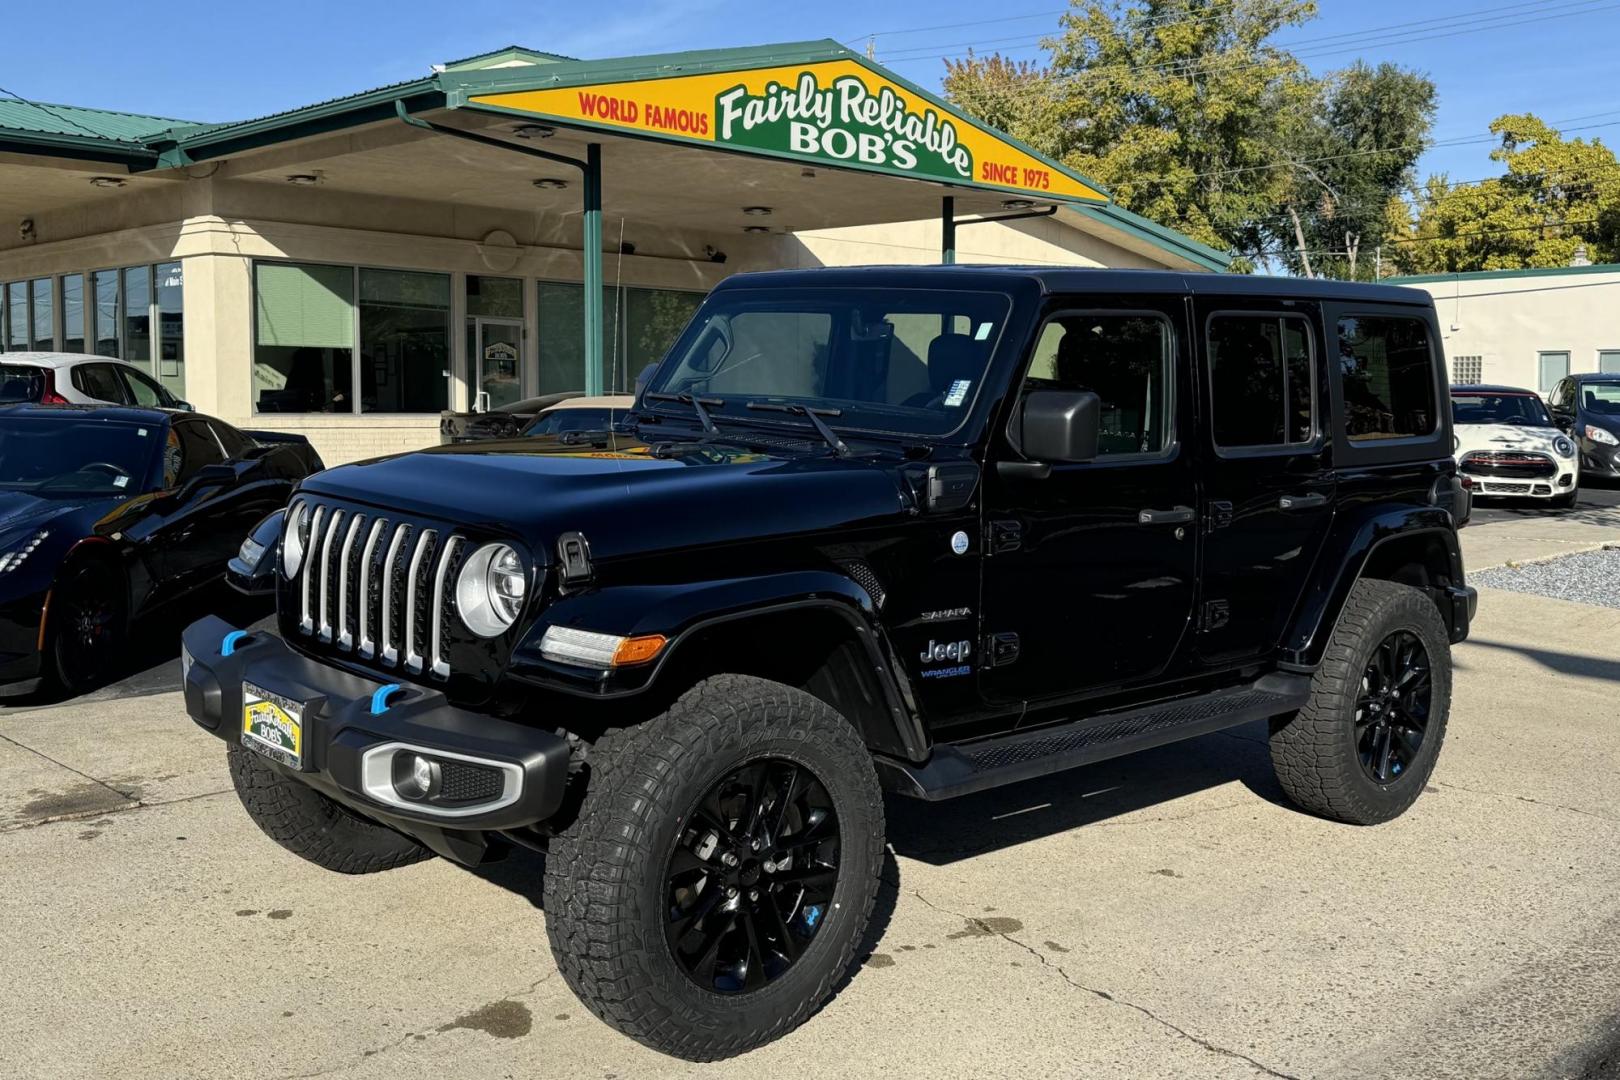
<point x="99" y="381"/>
<point x="1269" y="485"/>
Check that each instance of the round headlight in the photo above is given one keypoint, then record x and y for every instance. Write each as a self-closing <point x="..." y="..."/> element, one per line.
<point x="1563" y="447"/>
<point x="490" y="589"/>
<point x="293" y="538"/>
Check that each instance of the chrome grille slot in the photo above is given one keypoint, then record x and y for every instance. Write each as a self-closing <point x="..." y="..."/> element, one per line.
<point x="381" y="588"/>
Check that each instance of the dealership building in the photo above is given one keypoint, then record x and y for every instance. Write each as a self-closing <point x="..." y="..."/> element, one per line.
<point x="512" y="224"/>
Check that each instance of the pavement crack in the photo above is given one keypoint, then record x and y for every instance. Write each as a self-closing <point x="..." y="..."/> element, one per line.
<point x="1526" y="799"/>
<point x="57" y="819"/>
<point x="990" y="931"/>
<point x="64" y="765"/>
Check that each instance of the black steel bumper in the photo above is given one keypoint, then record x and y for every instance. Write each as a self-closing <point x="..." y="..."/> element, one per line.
<point x="350" y="731"/>
<point x="1464" y="602"/>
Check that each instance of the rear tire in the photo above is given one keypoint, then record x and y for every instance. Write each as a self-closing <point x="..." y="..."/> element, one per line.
<point x="667" y="911"/>
<point x="1362" y="748"/>
<point x="312" y="826"/>
<point x="88" y="625"/>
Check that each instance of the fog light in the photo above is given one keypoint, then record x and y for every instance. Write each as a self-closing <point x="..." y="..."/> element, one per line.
<point x="415" y="777"/>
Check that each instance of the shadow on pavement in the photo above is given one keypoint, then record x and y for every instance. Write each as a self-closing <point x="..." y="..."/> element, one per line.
<point x="1592" y="667"/>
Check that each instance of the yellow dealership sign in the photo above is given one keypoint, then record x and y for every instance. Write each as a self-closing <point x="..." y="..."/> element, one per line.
<point x="834" y="112"/>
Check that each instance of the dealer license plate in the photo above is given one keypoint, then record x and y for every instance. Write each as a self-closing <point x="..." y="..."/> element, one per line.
<point x="273" y="725"/>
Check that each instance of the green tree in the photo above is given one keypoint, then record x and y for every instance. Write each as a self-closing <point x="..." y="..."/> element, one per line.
<point x="1351" y="153"/>
<point x="1557" y="195"/>
<point x="1181" y="108"/>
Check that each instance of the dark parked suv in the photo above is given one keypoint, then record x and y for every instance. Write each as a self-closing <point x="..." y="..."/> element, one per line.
<point x="1588" y="408"/>
<point x="918" y="530"/>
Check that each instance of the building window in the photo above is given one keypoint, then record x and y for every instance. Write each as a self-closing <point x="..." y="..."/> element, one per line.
<point x="1609" y="361"/>
<point x="653" y="319"/>
<point x="1467" y="370"/>
<point x="303" y="355"/>
<point x="168" y="286"/>
<point x="104" y="313"/>
<point x="638" y="334"/>
<point x="1262" y="381"/>
<point x="404" y="341"/>
<point x="1551" y="367"/>
<point x="17" y="317"/>
<point x="44" y="316"/>
<point x="1385" y="367"/>
<point x="137" y="282"/>
<point x="73" y="313"/>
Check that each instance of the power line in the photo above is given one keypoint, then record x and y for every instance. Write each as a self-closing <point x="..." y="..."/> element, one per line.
<point x="1266" y="252"/>
<point x="51" y="112"/>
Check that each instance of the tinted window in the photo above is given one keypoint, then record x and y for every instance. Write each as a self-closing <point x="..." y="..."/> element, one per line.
<point x="61" y="454"/>
<point x="1125" y="361"/>
<point x="101" y="382"/>
<point x="19" y="382"/>
<point x="1261" y="381"/>
<point x="144" y="390"/>
<point x="558" y="421"/>
<point x="1498" y="409"/>
<point x="190" y="446"/>
<point x="1387" y="368"/>
<point x="1601" y="398"/>
<point x="234" y="441"/>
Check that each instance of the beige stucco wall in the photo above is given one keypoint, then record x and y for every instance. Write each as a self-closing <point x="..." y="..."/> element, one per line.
<point x="1507" y="321"/>
<point x="219" y="226"/>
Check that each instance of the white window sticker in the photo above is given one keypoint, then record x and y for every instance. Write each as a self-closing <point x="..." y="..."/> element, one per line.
<point x="141" y="432"/>
<point x="958" y="393"/>
<point x="120" y="481"/>
<point x="983" y="332"/>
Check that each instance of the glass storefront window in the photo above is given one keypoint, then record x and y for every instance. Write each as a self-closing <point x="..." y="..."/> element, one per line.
<point x="17" y="317"/>
<point x="169" y="286"/>
<point x="44" y="316"/>
<point x="653" y="319"/>
<point x="404" y="341"/>
<point x="138" y="315"/>
<point x="303" y="356"/>
<point x="73" y="313"/>
<point x="495" y="297"/>
<point x="562" y="345"/>
<point x="104" y="313"/>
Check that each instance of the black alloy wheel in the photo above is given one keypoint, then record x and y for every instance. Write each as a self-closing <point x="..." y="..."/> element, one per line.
<point x="88" y="617"/>
<point x="1392" y="709"/>
<point x="751" y="876"/>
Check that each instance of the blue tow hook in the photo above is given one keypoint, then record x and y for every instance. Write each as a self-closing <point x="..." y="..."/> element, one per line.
<point x="379" y="700"/>
<point x="227" y="644"/>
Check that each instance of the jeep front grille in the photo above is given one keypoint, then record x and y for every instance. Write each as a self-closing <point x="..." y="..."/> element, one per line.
<point x="379" y="587"/>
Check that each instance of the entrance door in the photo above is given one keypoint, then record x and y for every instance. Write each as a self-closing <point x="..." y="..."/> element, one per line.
<point x="1093" y="565"/>
<point x="1268" y="484"/>
<point x="497" y="362"/>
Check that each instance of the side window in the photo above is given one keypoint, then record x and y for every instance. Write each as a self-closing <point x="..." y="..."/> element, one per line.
<point x="1125" y="360"/>
<point x="235" y="443"/>
<point x="1386" y="363"/>
<point x="142" y="390"/>
<point x="191" y="446"/>
<point x="99" y="381"/>
<point x="1564" y="395"/>
<point x="1262" y="381"/>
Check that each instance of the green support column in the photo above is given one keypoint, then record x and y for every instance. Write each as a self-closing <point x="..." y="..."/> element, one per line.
<point x="594" y="367"/>
<point x="947" y="225"/>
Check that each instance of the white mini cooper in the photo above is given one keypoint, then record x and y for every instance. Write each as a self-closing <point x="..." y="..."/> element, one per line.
<point x="1507" y="445"/>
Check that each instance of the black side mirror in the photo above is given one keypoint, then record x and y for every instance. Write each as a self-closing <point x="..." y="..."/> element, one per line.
<point x="253" y="570"/>
<point x="1058" y="426"/>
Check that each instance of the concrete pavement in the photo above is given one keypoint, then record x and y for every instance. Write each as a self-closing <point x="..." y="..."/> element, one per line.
<point x="1164" y="915"/>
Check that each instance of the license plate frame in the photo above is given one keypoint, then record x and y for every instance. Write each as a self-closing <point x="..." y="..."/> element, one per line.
<point x="273" y="725"/>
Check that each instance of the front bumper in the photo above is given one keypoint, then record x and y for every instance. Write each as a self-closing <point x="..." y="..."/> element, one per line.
<point x="349" y="733"/>
<point x="1599" y="459"/>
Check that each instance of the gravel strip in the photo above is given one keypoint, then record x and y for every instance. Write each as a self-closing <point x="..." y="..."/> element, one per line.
<point x="1587" y="577"/>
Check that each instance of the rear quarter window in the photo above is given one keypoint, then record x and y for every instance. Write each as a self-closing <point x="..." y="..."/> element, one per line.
<point x="1386" y="369"/>
<point x="20" y="382"/>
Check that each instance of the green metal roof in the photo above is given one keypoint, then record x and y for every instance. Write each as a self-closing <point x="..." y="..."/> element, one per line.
<point x="515" y="55"/>
<point x="1488" y="275"/>
<point x="50" y="119"/>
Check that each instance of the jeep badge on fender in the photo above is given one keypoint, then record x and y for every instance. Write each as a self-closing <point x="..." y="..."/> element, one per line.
<point x="685" y="656"/>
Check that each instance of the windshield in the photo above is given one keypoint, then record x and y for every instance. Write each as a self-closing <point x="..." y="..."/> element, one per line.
<point x="1505" y="408"/>
<point x="558" y="421"/>
<point x="1601" y="398"/>
<point x="20" y="382"/>
<point x="891" y="360"/>
<point x="58" y="454"/>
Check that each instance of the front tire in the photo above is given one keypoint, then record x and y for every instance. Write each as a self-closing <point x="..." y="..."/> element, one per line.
<point x="1362" y="748"/>
<point x="312" y="826"/>
<point x="720" y="875"/>
<point x="1566" y="501"/>
<point x="89" y="623"/>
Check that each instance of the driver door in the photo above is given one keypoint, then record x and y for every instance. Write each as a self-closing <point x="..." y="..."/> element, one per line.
<point x="200" y="524"/>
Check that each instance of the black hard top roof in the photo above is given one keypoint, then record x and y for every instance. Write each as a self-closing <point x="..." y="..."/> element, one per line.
<point x="1597" y="376"/>
<point x="125" y="414"/>
<point x="1063" y="279"/>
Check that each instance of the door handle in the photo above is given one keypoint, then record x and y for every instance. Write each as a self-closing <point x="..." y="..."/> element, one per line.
<point x="1179" y="515"/>
<point x="1302" y="502"/>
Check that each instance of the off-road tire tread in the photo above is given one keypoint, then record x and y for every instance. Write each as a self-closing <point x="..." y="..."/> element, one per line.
<point x="1315" y="763"/>
<point x="591" y="880"/>
<point x="314" y="827"/>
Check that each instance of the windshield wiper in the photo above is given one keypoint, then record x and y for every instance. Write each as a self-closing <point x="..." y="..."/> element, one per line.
<point x="697" y="404"/>
<point x="812" y="414"/>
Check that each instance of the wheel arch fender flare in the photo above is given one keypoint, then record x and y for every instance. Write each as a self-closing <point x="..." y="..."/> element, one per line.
<point x="1354" y="548"/>
<point x="683" y="613"/>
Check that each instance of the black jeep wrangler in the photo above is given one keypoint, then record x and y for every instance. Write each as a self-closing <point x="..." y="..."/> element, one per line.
<point x="918" y="530"/>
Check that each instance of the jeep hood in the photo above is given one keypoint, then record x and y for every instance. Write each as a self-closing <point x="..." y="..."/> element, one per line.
<point x="625" y="500"/>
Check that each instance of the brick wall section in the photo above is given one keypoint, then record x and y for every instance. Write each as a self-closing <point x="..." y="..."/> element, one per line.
<point x="342" y="439"/>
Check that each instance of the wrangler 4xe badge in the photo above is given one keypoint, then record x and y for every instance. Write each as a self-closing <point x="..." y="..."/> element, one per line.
<point x="956" y="652"/>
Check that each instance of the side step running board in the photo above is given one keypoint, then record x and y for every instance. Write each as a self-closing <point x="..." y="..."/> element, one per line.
<point x="963" y="768"/>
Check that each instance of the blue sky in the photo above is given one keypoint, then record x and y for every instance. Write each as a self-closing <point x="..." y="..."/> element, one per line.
<point x="212" y="61"/>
